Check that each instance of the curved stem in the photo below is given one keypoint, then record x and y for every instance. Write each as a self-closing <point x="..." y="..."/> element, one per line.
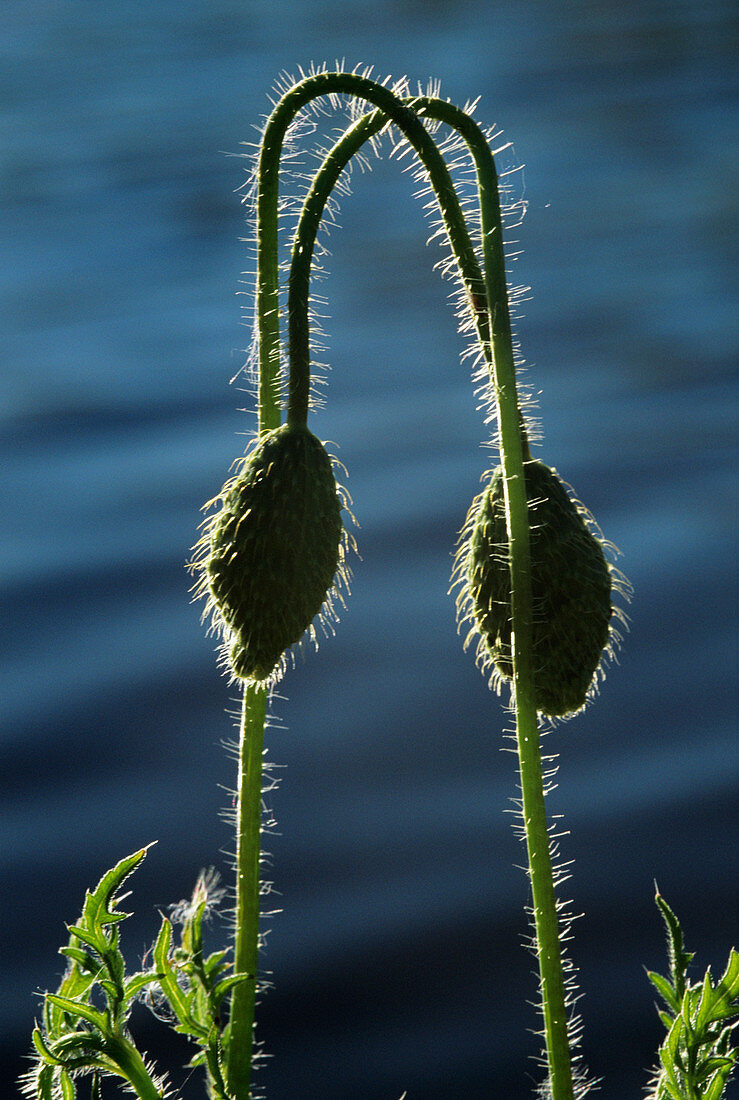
<point x="310" y="218"/>
<point x="478" y="290"/>
<point x="131" y="1065"/>
<point x="268" y="195"/>
<point x="494" y="331"/>
<point x="495" y="334"/>
<point x="514" y="450"/>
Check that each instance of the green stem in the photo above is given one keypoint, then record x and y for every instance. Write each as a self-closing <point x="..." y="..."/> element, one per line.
<point x="268" y="323"/>
<point x="310" y="218"/>
<point x="248" y="828"/>
<point x="131" y="1065"/>
<point x="292" y="102"/>
<point x="495" y="336"/>
<point x="514" y="451"/>
<point x="494" y="332"/>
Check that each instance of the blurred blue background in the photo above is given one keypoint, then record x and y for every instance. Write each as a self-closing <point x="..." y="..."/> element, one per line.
<point x="397" y="960"/>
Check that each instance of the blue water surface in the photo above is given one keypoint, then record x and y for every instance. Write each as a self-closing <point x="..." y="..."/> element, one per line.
<point x="396" y="956"/>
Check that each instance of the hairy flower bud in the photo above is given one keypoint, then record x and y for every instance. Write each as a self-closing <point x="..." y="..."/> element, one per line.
<point x="571" y="581"/>
<point x="269" y="556"/>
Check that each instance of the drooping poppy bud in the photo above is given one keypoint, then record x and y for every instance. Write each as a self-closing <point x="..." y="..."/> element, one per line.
<point x="572" y="588"/>
<point x="268" y="558"/>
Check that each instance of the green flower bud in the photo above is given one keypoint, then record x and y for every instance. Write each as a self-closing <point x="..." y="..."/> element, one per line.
<point x="269" y="556"/>
<point x="572" y="589"/>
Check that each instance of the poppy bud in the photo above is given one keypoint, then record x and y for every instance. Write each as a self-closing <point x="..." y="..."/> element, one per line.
<point x="269" y="556"/>
<point x="571" y="583"/>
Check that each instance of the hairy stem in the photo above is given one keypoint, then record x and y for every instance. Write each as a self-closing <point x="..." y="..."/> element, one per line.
<point x="399" y="112"/>
<point x="514" y="450"/>
<point x="269" y="397"/>
<point x="396" y="110"/>
<point x="125" y="1055"/>
<point x="494" y="331"/>
<point x="248" y="828"/>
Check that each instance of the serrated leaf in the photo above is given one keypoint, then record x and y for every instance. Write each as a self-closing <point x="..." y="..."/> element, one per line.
<point x="727" y="988"/>
<point x="99" y="908"/>
<point x="178" y="1000"/>
<point x="81" y="1011"/>
<point x="215" y="965"/>
<point x="91" y="936"/>
<point x="705" y="1003"/>
<point x="679" y="958"/>
<point x="162" y="944"/>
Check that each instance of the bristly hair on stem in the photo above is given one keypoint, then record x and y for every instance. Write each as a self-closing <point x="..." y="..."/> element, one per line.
<point x="309" y="137"/>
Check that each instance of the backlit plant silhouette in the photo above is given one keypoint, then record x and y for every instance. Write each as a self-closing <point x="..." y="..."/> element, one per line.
<point x="537" y="592"/>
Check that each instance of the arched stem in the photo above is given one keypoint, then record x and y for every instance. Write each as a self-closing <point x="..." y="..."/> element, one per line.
<point x="310" y="217"/>
<point x="395" y="110"/>
<point x="494" y="332"/>
<point x="493" y="325"/>
<point x="514" y="451"/>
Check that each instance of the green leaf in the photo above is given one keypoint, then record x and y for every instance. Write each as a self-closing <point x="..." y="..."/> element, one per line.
<point x="727" y="988"/>
<point x="716" y="1088"/>
<point x="227" y="984"/>
<point x="82" y="1011"/>
<point x="94" y="937"/>
<point x="44" y="1053"/>
<point x="67" y="1087"/>
<point x="214" y="1063"/>
<point x="687" y="1011"/>
<point x="705" y="1004"/>
<point x="679" y="958"/>
<point x="112" y="990"/>
<point x="99" y="908"/>
<point x="75" y="1047"/>
<point x="137" y="982"/>
<point x="665" y="990"/>
<point x="179" y="1001"/>
<point x="84" y="959"/>
<point x="711" y="1065"/>
<point x="215" y="965"/>
<point x="45" y="1083"/>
